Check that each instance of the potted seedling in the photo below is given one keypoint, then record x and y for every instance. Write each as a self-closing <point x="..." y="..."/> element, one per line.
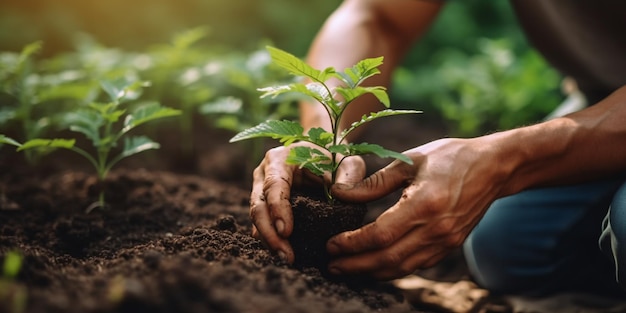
<point x="316" y="220"/>
<point x="105" y="125"/>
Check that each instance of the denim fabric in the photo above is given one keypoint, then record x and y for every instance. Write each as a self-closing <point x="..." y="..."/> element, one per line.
<point x="543" y="241"/>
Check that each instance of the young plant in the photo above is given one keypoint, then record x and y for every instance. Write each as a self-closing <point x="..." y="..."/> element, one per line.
<point x="100" y="123"/>
<point x="13" y="295"/>
<point x="331" y="145"/>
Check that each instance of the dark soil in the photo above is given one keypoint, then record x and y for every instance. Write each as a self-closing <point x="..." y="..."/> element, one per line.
<point x="175" y="238"/>
<point x="168" y="243"/>
<point x="314" y="222"/>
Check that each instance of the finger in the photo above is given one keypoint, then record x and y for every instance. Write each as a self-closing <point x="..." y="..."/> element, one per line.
<point x="400" y="259"/>
<point x="277" y="181"/>
<point x="263" y="224"/>
<point x="413" y="263"/>
<point x="351" y="171"/>
<point x="377" y="185"/>
<point x="388" y="228"/>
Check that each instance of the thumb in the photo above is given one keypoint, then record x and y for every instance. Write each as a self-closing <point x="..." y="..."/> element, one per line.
<point x="376" y="186"/>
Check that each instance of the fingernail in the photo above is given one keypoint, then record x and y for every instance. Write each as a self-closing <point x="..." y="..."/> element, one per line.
<point x="332" y="248"/>
<point x="334" y="270"/>
<point x="283" y="256"/>
<point x="280" y="226"/>
<point x="342" y="186"/>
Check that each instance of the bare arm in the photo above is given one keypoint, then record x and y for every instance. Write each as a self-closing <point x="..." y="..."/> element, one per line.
<point x="358" y="29"/>
<point x="453" y="182"/>
<point x="580" y="146"/>
<point x="361" y="29"/>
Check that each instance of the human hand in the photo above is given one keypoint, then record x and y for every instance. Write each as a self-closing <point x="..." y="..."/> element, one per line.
<point x="270" y="208"/>
<point x="447" y="190"/>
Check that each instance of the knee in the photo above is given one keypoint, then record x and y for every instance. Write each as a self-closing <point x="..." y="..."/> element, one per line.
<point x="613" y="239"/>
<point x="502" y="263"/>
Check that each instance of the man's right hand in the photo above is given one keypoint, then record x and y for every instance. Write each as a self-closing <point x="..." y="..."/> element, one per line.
<point x="270" y="208"/>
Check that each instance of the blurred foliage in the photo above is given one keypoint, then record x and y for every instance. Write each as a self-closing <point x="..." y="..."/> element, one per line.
<point x="195" y="53"/>
<point x="484" y="92"/>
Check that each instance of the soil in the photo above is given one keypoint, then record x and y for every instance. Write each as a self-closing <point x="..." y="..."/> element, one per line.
<point x="315" y="221"/>
<point x="171" y="240"/>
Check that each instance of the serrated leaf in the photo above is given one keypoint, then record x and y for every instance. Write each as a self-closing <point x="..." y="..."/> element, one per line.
<point x="298" y="67"/>
<point x="349" y="94"/>
<point x="312" y="159"/>
<point x="47" y="143"/>
<point x="372" y="116"/>
<point x="315" y="90"/>
<point x="354" y="76"/>
<point x="285" y="131"/>
<point x="146" y="113"/>
<point x="368" y="148"/>
<point x="7" y="140"/>
<point x="224" y="105"/>
<point x="320" y="136"/>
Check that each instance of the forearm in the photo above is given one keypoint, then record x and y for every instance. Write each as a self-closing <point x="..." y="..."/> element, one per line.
<point x="363" y="29"/>
<point x="578" y="147"/>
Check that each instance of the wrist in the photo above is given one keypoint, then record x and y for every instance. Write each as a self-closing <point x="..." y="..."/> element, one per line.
<point x="531" y="156"/>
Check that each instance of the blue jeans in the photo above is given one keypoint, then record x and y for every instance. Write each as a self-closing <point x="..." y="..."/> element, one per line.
<point x="550" y="240"/>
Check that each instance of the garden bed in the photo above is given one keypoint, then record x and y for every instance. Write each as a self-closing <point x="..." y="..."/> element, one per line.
<point x="169" y="242"/>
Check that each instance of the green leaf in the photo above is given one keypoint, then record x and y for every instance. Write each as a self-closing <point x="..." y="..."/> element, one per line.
<point x="146" y="113"/>
<point x="320" y="136"/>
<point x="285" y="131"/>
<point x="372" y="116"/>
<point x="86" y="122"/>
<point x="132" y="146"/>
<point x="350" y="94"/>
<point x="31" y="49"/>
<point x="137" y="144"/>
<point x="298" y="67"/>
<point x="314" y="90"/>
<point x="312" y="159"/>
<point x="7" y="140"/>
<point x="187" y="38"/>
<point x="368" y="148"/>
<point x="364" y="69"/>
<point x="12" y="264"/>
<point x="123" y="88"/>
<point x="47" y="143"/>
<point x="224" y="105"/>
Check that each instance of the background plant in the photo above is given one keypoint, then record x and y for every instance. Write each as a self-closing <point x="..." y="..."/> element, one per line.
<point x="32" y="99"/>
<point x="479" y="93"/>
<point x="102" y="124"/>
<point x="331" y="145"/>
<point x="238" y="105"/>
<point x="12" y="294"/>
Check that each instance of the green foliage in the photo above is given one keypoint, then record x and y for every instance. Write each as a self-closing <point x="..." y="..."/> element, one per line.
<point x="103" y="125"/>
<point x="332" y="147"/>
<point x="237" y="105"/>
<point x="479" y="93"/>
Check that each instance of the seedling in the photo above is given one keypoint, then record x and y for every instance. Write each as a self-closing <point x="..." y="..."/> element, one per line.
<point x="13" y="295"/>
<point x="99" y="122"/>
<point x="331" y="145"/>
